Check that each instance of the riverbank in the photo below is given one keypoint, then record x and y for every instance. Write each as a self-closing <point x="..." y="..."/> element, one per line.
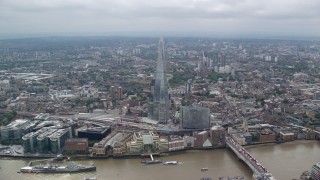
<point x="275" y="143"/>
<point x="284" y="161"/>
<point x="167" y="153"/>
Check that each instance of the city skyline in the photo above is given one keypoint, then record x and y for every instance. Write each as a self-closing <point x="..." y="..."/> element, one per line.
<point x="140" y="17"/>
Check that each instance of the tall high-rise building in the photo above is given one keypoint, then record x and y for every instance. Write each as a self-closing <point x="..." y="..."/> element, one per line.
<point x="160" y="106"/>
<point x="120" y="93"/>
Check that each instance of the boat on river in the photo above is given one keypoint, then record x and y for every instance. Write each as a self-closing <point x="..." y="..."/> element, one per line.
<point x="232" y="178"/>
<point x="57" y="168"/>
<point x="152" y="162"/>
<point x="171" y="163"/>
<point x="204" y="169"/>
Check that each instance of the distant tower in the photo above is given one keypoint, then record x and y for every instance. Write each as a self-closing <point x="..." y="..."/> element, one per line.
<point x="245" y="125"/>
<point x="188" y="87"/>
<point x="120" y="92"/>
<point x="160" y="106"/>
<point x="204" y="65"/>
<point x="112" y="91"/>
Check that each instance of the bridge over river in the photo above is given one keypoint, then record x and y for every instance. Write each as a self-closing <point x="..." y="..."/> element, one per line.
<point x="259" y="171"/>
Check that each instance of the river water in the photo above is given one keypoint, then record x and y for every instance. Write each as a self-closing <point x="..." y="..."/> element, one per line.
<point x="285" y="162"/>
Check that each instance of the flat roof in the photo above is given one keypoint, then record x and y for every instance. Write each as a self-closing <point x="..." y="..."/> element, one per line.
<point x="77" y="139"/>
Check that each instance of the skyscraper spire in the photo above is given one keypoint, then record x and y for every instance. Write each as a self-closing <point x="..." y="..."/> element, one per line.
<point x="160" y="109"/>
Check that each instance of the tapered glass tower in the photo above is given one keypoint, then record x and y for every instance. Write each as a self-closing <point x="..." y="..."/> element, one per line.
<point x="160" y="105"/>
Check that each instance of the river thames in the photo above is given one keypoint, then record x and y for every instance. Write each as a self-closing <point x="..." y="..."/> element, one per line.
<point x="285" y="161"/>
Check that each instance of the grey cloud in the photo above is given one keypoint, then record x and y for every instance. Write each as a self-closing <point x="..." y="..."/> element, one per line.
<point x="278" y="15"/>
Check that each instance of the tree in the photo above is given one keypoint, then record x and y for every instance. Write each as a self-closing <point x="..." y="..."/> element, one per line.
<point x="285" y="101"/>
<point x="214" y="76"/>
<point x="317" y="115"/>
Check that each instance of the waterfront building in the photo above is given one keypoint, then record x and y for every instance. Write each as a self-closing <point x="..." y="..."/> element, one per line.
<point x="29" y="142"/>
<point x="159" y="109"/>
<point x="163" y="145"/>
<point x="176" y="143"/>
<point x="195" y="117"/>
<point x="315" y="171"/>
<point x="200" y="138"/>
<point x="100" y="148"/>
<point x="286" y="135"/>
<point x="116" y="144"/>
<point x="43" y="143"/>
<point x="188" y="141"/>
<point x="239" y="138"/>
<point x="16" y="129"/>
<point x="218" y="136"/>
<point x="143" y="142"/>
<point x="310" y="135"/>
<point x="248" y="137"/>
<point x="57" y="140"/>
<point x="119" y="149"/>
<point x="76" y="145"/>
<point x="266" y="135"/>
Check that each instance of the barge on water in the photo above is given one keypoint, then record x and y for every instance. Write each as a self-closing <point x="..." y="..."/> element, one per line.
<point x="152" y="162"/>
<point x="49" y="168"/>
<point x="171" y="163"/>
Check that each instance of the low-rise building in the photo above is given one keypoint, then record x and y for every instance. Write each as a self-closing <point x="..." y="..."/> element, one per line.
<point x="286" y="135"/>
<point x="176" y="143"/>
<point x="266" y="135"/>
<point x="117" y="144"/>
<point x="188" y="141"/>
<point x="163" y="145"/>
<point x="100" y="148"/>
<point x="76" y="145"/>
<point x="239" y="138"/>
<point x="310" y="135"/>
<point x="143" y="142"/>
<point x="248" y="137"/>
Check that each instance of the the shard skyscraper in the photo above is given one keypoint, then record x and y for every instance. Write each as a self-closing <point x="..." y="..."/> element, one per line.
<point x="160" y="106"/>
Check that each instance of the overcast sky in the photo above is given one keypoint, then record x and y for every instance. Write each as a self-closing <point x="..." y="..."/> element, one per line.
<point x="203" y="17"/>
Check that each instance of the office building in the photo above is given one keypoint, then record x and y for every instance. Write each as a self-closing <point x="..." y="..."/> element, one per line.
<point x="29" y="142"/>
<point x="57" y="140"/>
<point x="94" y="133"/>
<point x="200" y="138"/>
<point x="195" y="118"/>
<point x="218" y="136"/>
<point x="43" y="141"/>
<point x="16" y="129"/>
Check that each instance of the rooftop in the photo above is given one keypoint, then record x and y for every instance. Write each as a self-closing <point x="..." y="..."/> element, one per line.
<point x="58" y="134"/>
